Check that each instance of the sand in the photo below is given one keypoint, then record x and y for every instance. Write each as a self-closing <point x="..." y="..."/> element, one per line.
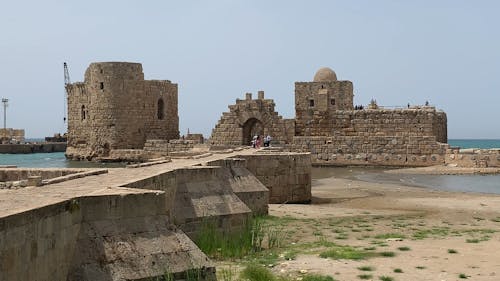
<point x="359" y="211"/>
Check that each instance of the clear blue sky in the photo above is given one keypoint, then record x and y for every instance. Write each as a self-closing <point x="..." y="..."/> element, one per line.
<point x="446" y="52"/>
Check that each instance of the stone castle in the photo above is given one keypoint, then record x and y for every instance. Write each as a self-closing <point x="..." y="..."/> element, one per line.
<point x="116" y="109"/>
<point x="328" y="125"/>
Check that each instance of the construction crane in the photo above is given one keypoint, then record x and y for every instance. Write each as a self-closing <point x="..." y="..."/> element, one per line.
<point x="67" y="81"/>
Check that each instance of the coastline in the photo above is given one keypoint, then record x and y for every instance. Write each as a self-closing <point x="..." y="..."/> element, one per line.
<point x="465" y="223"/>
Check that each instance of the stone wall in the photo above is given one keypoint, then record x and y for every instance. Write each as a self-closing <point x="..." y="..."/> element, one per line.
<point x="164" y="147"/>
<point x="33" y="148"/>
<point x="474" y="157"/>
<point x="115" y="108"/>
<point x="286" y="175"/>
<point x="244" y="184"/>
<point x="315" y="102"/>
<point x="97" y="238"/>
<point x="248" y="118"/>
<point x="372" y="150"/>
<point x="12" y="135"/>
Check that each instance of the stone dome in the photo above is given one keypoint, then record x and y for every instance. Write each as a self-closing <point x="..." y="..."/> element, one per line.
<point x="325" y="74"/>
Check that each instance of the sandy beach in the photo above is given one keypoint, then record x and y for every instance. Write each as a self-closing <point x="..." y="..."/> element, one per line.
<point x="433" y="235"/>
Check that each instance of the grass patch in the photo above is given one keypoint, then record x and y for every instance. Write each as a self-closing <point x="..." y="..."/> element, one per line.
<point x="386" y="278"/>
<point x="345" y="252"/>
<point x="365" y="276"/>
<point x="366" y="268"/>
<point x="452" y="251"/>
<point x="255" y="272"/>
<point x="390" y="235"/>
<point x="317" y="277"/>
<point x="369" y="248"/>
<point x="398" y="270"/>
<point x="404" y="248"/>
<point x="472" y="240"/>
<point x="463" y="276"/>
<point x="433" y="232"/>
<point x="420" y="267"/>
<point x="387" y="254"/>
<point x="497" y="219"/>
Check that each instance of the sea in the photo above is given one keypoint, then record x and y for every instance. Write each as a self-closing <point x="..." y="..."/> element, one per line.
<point x="460" y="183"/>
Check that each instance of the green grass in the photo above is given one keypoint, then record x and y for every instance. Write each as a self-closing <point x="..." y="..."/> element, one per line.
<point x="404" y="248"/>
<point x="345" y="252"/>
<point x="386" y="278"/>
<point x="255" y="272"/>
<point x="239" y="243"/>
<point x="366" y="268"/>
<point x="387" y="254"/>
<point x="452" y="251"/>
<point x="463" y="276"/>
<point x="226" y="274"/>
<point x="398" y="270"/>
<point x="369" y="248"/>
<point x="365" y="276"/>
<point x="317" y="277"/>
<point x="390" y="235"/>
<point x="497" y="219"/>
<point x="433" y="232"/>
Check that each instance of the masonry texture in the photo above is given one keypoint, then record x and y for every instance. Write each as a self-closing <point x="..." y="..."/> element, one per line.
<point x="125" y="224"/>
<point x="336" y="132"/>
<point x="115" y="108"/>
<point x="250" y="117"/>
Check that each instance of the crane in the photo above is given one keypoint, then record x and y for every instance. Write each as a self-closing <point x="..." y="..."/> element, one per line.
<point x="67" y="81"/>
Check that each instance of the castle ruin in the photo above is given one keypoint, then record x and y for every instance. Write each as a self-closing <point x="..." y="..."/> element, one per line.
<point x="328" y="125"/>
<point x="116" y="109"/>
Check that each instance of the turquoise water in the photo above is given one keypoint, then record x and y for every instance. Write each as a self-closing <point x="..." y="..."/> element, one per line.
<point x="477" y="143"/>
<point x="49" y="160"/>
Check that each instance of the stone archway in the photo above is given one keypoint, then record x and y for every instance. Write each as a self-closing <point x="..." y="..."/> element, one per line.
<point x="251" y="127"/>
<point x="249" y="117"/>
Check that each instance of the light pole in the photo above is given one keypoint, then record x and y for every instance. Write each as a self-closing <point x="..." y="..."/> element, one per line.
<point x="5" y="104"/>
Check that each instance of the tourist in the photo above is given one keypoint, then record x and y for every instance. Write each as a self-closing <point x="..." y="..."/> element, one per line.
<point x="257" y="142"/>
<point x="254" y="141"/>
<point x="267" y="141"/>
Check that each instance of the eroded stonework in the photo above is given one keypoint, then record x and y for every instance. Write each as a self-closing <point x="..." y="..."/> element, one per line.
<point x="248" y="118"/>
<point x="115" y="108"/>
<point x="328" y="125"/>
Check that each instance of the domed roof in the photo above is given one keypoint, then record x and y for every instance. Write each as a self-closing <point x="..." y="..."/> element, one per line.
<point x="325" y="74"/>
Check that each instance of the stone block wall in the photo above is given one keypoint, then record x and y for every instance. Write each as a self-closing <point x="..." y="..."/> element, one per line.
<point x="474" y="157"/>
<point x="105" y="237"/>
<point x="115" y="108"/>
<point x="164" y="148"/>
<point x="12" y="135"/>
<point x="316" y="101"/>
<point x="286" y="175"/>
<point x="249" y="117"/>
<point x="372" y="150"/>
<point x="244" y="184"/>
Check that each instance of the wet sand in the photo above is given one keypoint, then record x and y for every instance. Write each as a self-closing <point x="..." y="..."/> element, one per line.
<point x="467" y="223"/>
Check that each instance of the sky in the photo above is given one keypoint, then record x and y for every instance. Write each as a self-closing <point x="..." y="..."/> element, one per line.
<point x="397" y="52"/>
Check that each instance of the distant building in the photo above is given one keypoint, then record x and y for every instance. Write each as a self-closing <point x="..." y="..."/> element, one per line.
<point x="10" y="135"/>
<point x="115" y="108"/>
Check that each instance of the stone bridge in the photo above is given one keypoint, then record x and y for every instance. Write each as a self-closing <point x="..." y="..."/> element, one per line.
<point x="251" y="117"/>
<point x="138" y="223"/>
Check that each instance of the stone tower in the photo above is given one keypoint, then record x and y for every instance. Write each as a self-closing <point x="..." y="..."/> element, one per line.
<point x="317" y="101"/>
<point x="115" y="108"/>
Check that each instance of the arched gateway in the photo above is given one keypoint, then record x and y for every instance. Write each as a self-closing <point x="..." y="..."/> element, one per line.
<point x="248" y="118"/>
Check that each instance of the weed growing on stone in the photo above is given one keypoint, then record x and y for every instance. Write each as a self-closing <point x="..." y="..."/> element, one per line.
<point x="404" y="248"/>
<point x="387" y="254"/>
<point x="366" y="268"/>
<point x="390" y="235"/>
<point x="386" y="278"/>
<point x="452" y="251"/>
<point x="365" y="276"/>
<point x="420" y="267"/>
<point x="398" y="270"/>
